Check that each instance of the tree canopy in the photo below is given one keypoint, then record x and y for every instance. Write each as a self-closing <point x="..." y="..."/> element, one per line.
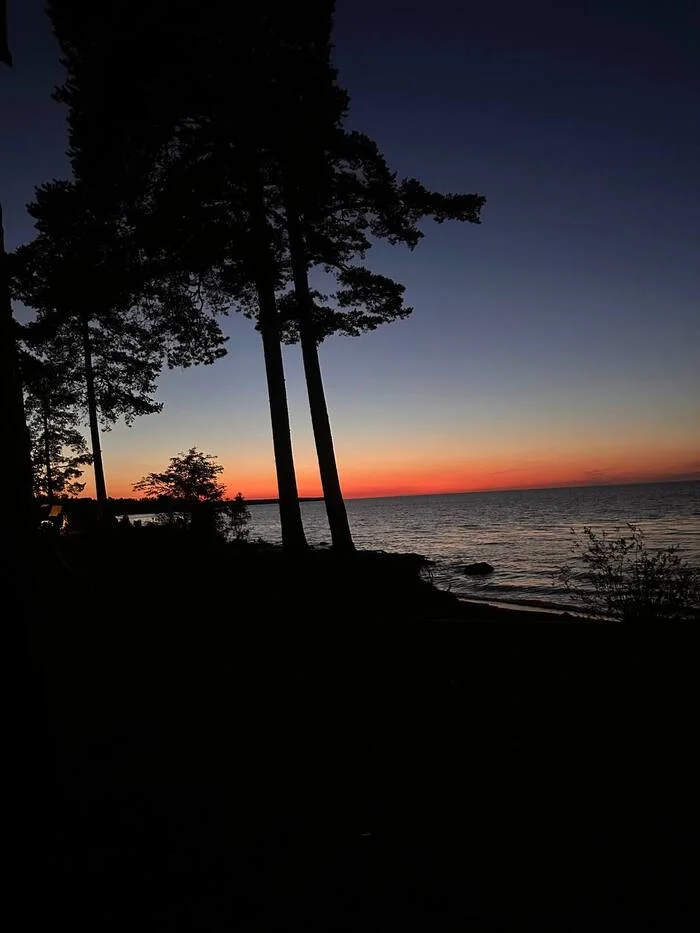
<point x="190" y="477"/>
<point x="226" y="160"/>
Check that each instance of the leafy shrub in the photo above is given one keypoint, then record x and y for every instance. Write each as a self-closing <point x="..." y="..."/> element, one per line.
<point x="622" y="579"/>
<point x="233" y="519"/>
<point x="191" y="486"/>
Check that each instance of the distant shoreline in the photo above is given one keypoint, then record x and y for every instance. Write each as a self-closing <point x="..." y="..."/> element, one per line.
<point x="154" y="506"/>
<point x="276" y="501"/>
<point x="418" y="495"/>
<point x="563" y="486"/>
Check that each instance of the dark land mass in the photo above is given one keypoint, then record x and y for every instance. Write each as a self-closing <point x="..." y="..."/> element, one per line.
<point x="86" y="508"/>
<point x="239" y="740"/>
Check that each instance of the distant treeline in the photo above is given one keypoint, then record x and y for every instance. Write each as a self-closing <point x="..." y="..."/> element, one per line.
<point x="148" y="506"/>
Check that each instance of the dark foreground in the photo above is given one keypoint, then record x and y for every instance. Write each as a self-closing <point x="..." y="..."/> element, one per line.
<point x="240" y="744"/>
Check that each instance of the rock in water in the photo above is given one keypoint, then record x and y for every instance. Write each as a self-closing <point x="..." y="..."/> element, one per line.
<point x="479" y="569"/>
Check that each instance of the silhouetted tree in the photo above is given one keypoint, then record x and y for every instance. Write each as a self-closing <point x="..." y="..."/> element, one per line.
<point x="361" y="301"/>
<point x="52" y="404"/>
<point x="20" y="517"/>
<point x="190" y="477"/>
<point x="191" y="484"/>
<point x="318" y="196"/>
<point x="234" y="518"/>
<point x="257" y="140"/>
<point x="100" y="302"/>
<point x="59" y="455"/>
<point x="5" y="54"/>
<point x="27" y="743"/>
<point x="136" y="129"/>
<point x="62" y="275"/>
<point x="337" y="197"/>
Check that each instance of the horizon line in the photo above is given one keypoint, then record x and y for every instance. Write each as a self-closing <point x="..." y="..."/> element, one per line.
<point x="272" y="500"/>
<point x="571" y="485"/>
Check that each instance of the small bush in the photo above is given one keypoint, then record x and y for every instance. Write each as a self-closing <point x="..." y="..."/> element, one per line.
<point x="233" y="519"/>
<point x="171" y="519"/>
<point x="622" y="579"/>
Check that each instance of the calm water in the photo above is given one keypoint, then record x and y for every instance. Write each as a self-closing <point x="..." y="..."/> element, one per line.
<point x="524" y="534"/>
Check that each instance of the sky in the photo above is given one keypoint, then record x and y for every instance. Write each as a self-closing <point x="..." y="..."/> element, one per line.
<point x="556" y="343"/>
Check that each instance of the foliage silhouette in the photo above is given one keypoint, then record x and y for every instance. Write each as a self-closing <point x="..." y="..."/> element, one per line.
<point x="622" y="579"/>
<point x="20" y="507"/>
<point x="249" y="173"/>
<point x="233" y="519"/>
<point x="191" y="484"/>
<point x="182" y="142"/>
<point x="5" y="54"/>
<point x="105" y="310"/>
<point x="190" y="477"/>
<point x="338" y="197"/>
<point x="52" y="405"/>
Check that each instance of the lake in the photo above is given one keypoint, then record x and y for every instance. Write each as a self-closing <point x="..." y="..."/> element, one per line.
<point x="524" y="534"/>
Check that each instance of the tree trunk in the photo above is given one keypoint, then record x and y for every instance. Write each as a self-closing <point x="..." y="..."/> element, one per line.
<point x="47" y="451"/>
<point x="100" y="485"/>
<point x="323" y="436"/>
<point x="20" y="517"/>
<point x="28" y="741"/>
<point x="293" y="537"/>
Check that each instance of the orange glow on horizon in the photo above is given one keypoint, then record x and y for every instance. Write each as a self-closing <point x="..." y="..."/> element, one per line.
<point x="401" y="479"/>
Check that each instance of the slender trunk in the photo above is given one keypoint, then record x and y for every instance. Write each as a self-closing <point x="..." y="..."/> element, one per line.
<point x="27" y="741"/>
<point x="47" y="451"/>
<point x="20" y="517"/>
<point x="323" y="436"/>
<point x="100" y="485"/>
<point x="293" y="537"/>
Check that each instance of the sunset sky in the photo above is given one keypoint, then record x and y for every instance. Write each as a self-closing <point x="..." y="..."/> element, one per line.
<point x="556" y="343"/>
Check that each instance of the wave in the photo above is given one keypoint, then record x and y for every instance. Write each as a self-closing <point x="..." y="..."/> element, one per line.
<point x="524" y="603"/>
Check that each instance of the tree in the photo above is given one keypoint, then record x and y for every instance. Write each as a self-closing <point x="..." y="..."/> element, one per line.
<point x="337" y="196"/>
<point x="59" y="456"/>
<point x="101" y="303"/>
<point x="28" y="743"/>
<point x="317" y="197"/>
<point x="20" y="516"/>
<point x="191" y="484"/>
<point x="363" y="301"/>
<point x="190" y="477"/>
<point x="234" y="519"/>
<point x="135" y="129"/>
<point x="5" y="54"/>
<point x="59" y="450"/>
<point x="259" y="176"/>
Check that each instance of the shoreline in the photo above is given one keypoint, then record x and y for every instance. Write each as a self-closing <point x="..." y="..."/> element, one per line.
<point x="493" y="611"/>
<point x="563" y="613"/>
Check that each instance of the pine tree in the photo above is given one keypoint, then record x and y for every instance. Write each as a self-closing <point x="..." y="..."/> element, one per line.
<point x="130" y="140"/>
<point x="337" y="197"/>
<point x="53" y="407"/>
<point x="261" y="183"/>
<point x="99" y="302"/>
